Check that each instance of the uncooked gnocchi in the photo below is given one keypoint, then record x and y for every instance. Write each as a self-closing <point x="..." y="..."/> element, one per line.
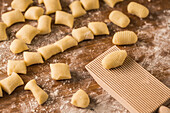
<point x="17" y="66"/>
<point x="3" y="35"/>
<point x="40" y="1"/>
<point x="64" y="18"/>
<point x="112" y="3"/>
<point x="1" y="93"/>
<point x="52" y="6"/>
<point x="21" y="4"/>
<point x="119" y="19"/>
<point x="66" y="42"/>
<point x="90" y="4"/>
<point x="114" y="59"/>
<point x="33" y="13"/>
<point x="27" y="33"/>
<point x="137" y="9"/>
<point x="164" y="109"/>
<point x="124" y="38"/>
<point x="80" y="99"/>
<point x="60" y="71"/>
<point x="40" y="95"/>
<point x="10" y="83"/>
<point x="12" y="17"/>
<point x="44" y="24"/>
<point x="98" y="28"/>
<point x="77" y="9"/>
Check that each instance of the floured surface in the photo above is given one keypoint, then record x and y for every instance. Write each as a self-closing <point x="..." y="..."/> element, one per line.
<point x="151" y="52"/>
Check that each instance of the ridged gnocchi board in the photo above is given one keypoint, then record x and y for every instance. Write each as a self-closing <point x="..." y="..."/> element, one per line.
<point x="130" y="84"/>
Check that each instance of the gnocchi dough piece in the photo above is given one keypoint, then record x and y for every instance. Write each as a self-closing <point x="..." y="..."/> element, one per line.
<point x="40" y="1"/>
<point x="52" y="6"/>
<point x="49" y="50"/>
<point x="3" y="35"/>
<point x="137" y="9"/>
<point x="164" y="109"/>
<point x="10" y="83"/>
<point x="112" y="3"/>
<point x="80" y="99"/>
<point x="40" y="95"/>
<point x="98" y="28"/>
<point x="114" y="59"/>
<point x="82" y="33"/>
<point x="64" y="18"/>
<point x="21" y="4"/>
<point x="33" y="13"/>
<point x="27" y="33"/>
<point x="1" y="93"/>
<point x="44" y="24"/>
<point x="124" y="38"/>
<point x="12" y="17"/>
<point x="77" y="9"/>
<point x="17" y="66"/>
<point x="32" y="58"/>
<point x="60" y="71"/>
<point x="119" y="19"/>
<point x="90" y="4"/>
<point x="18" y="46"/>
<point x="66" y="43"/>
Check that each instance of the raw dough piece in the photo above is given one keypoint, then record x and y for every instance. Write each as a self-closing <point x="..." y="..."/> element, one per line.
<point x="10" y="83"/>
<point x="1" y="93"/>
<point x="82" y="33"/>
<point x="98" y="28"/>
<point x="60" y="71"/>
<point x="64" y="18"/>
<point x="49" y="50"/>
<point x="137" y="9"/>
<point x="112" y="3"/>
<point x="119" y="19"/>
<point x="40" y="1"/>
<point x="33" y="13"/>
<point x="12" y="17"/>
<point x="52" y="6"/>
<point x="80" y="99"/>
<point x="32" y="58"/>
<point x="18" y="46"/>
<point x="114" y="59"/>
<point x="124" y="38"/>
<point x="77" y="9"/>
<point x="27" y="33"/>
<point x="44" y="24"/>
<point x="17" y="66"/>
<point x="21" y="4"/>
<point x="66" y="42"/>
<point x="3" y="35"/>
<point x="40" y="95"/>
<point x="90" y="4"/>
<point x="164" y="109"/>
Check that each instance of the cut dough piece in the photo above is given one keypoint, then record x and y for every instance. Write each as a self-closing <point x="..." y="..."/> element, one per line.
<point x="82" y="33"/>
<point x="98" y="28"/>
<point x="1" y="93"/>
<point x="17" y="66"/>
<point x="12" y="17"/>
<point x="80" y="99"/>
<point x="137" y="9"/>
<point x="90" y="4"/>
<point x="49" y="50"/>
<point x="164" y="109"/>
<point x="40" y="95"/>
<point x="40" y="1"/>
<point x="33" y="13"/>
<point x="119" y="19"/>
<point x="10" y="83"/>
<point x="21" y="4"/>
<point x="52" y="6"/>
<point x="77" y="9"/>
<point x="18" y="46"/>
<point x="64" y="18"/>
<point x="32" y="58"/>
<point x="112" y="3"/>
<point x="124" y="38"/>
<point x="27" y="33"/>
<point x="114" y="59"/>
<point x="3" y="35"/>
<point x="60" y="71"/>
<point x="44" y="24"/>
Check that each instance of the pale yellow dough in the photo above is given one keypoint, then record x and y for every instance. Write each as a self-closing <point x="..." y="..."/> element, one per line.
<point x="3" y="35"/>
<point x="90" y="4"/>
<point x="40" y="1"/>
<point x="21" y="5"/>
<point x="1" y="93"/>
<point x="164" y="109"/>
<point x="33" y="13"/>
<point x="112" y="3"/>
<point x="52" y="6"/>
